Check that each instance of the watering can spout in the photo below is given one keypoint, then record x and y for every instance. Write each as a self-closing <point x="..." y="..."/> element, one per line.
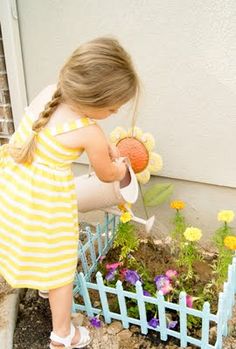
<point x="148" y="224"/>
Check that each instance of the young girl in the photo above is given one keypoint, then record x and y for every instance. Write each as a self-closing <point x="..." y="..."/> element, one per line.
<point x="38" y="206"/>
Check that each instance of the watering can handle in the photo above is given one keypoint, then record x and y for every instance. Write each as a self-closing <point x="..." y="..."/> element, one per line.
<point x="118" y="161"/>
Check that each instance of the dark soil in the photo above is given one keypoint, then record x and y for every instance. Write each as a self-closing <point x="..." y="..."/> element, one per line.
<point x="34" y="322"/>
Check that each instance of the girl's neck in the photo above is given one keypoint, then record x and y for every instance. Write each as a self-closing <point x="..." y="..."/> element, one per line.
<point x="63" y="113"/>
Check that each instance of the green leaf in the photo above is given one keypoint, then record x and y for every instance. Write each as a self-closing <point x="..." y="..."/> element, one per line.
<point x="157" y="194"/>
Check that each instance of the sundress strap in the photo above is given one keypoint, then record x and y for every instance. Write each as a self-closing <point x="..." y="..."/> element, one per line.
<point x="70" y="126"/>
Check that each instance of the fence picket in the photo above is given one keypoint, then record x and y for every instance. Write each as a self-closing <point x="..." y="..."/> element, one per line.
<point x="122" y="304"/>
<point x="226" y="304"/>
<point x="234" y="265"/>
<point x="85" y="295"/>
<point x="183" y="319"/>
<point x="103" y="297"/>
<point x="99" y="239"/>
<point x="141" y="307"/>
<point x="231" y="290"/>
<point x="220" y="320"/>
<point x="83" y="258"/>
<point x="205" y="325"/>
<point x="91" y="246"/>
<point x="106" y="229"/>
<point x="162" y="315"/>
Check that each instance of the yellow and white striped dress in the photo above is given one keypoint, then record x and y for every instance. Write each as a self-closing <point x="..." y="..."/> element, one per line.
<point x="38" y="211"/>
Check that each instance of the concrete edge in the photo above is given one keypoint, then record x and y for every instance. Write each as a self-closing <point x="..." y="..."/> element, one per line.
<point x="8" y="316"/>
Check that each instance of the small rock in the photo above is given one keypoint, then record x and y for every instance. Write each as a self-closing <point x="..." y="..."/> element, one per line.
<point x="168" y="240"/>
<point x="30" y="294"/>
<point x="157" y="242"/>
<point x="105" y="338"/>
<point x="134" y="329"/>
<point x="96" y="304"/>
<point x="232" y="327"/>
<point x="213" y="333"/>
<point x="125" y="334"/>
<point x="114" y="328"/>
<point x="21" y="307"/>
<point x="77" y="319"/>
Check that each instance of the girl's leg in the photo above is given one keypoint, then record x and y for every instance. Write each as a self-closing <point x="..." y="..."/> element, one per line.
<point x="60" y="300"/>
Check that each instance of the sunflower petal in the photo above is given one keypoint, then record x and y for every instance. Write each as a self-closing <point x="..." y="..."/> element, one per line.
<point x="135" y="132"/>
<point x="148" y="140"/>
<point x="117" y="134"/>
<point x="155" y="163"/>
<point x="143" y="177"/>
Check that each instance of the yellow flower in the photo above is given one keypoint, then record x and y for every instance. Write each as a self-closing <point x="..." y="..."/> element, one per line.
<point x="124" y="207"/>
<point x="226" y="216"/>
<point x="230" y="242"/>
<point x="192" y="234"/>
<point x="125" y="217"/>
<point x="117" y="134"/>
<point x="177" y="204"/>
<point x="138" y="147"/>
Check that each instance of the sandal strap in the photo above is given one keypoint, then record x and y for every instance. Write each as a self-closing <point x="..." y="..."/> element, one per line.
<point x="66" y="341"/>
<point x="84" y="336"/>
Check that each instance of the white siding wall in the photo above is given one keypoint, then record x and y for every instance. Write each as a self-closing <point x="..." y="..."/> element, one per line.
<point x="185" y="53"/>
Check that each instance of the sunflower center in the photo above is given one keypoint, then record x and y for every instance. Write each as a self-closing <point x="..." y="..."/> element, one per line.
<point x="136" y="151"/>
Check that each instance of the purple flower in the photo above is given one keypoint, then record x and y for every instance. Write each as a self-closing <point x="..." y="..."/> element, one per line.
<point x="132" y="276"/>
<point x="95" y="322"/>
<point x="154" y="322"/>
<point x="146" y="293"/>
<point x="110" y="275"/>
<point x="162" y="281"/>
<point x="172" y="324"/>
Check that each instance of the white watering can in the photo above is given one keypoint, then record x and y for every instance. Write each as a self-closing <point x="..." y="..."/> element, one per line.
<point x="93" y="194"/>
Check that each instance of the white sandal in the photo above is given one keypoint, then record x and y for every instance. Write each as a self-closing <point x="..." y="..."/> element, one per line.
<point x="66" y="341"/>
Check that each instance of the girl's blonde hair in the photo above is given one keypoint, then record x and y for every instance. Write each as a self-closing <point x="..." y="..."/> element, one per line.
<point x="98" y="74"/>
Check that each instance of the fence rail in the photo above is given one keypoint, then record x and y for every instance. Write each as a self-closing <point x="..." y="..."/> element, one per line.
<point x="103" y="240"/>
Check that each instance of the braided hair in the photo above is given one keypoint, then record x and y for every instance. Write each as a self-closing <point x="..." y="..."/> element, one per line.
<point x="25" y="153"/>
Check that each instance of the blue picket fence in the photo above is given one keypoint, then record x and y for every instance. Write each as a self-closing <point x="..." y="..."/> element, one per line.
<point x="97" y="245"/>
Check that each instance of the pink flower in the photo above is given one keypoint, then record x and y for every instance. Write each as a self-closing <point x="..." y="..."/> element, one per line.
<point x="171" y="274"/>
<point x="189" y="301"/>
<point x="101" y="258"/>
<point x="123" y="272"/>
<point x="113" y="266"/>
<point x="166" y="289"/>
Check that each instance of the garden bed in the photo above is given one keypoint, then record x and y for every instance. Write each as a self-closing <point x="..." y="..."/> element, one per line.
<point x="151" y="289"/>
<point x="156" y="257"/>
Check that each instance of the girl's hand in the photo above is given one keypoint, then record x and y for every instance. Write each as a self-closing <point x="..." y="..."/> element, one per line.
<point x="113" y="151"/>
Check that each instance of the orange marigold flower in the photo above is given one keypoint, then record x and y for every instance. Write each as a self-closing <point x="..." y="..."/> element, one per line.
<point x="230" y="242"/>
<point x="177" y="204"/>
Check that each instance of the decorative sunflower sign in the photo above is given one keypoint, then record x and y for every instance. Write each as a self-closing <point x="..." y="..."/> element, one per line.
<point x="138" y="147"/>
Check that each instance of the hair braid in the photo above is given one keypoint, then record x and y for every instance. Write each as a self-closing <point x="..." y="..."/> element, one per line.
<point x="45" y="115"/>
<point x="25" y="153"/>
